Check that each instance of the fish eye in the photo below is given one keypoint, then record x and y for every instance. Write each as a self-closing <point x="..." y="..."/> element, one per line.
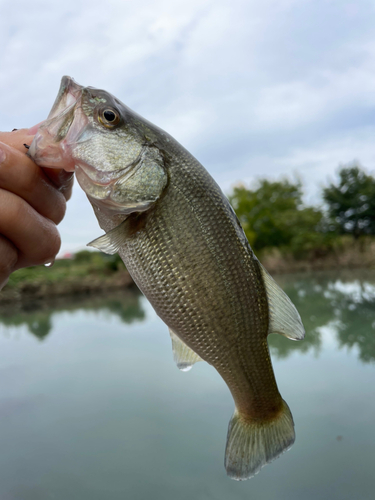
<point x="109" y="118"/>
<point x="109" y="115"/>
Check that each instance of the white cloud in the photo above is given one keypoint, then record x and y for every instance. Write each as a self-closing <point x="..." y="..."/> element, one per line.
<point x="252" y="88"/>
<point x="316" y="165"/>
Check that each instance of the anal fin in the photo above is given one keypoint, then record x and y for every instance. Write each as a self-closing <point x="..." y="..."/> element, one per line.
<point x="183" y="356"/>
<point x="283" y="316"/>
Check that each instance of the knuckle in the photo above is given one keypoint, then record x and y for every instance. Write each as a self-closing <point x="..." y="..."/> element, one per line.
<point x="18" y="208"/>
<point x="56" y="207"/>
<point x="59" y="208"/>
<point x="31" y="180"/>
<point x="8" y="259"/>
<point x="55" y="243"/>
<point x="19" y="175"/>
<point x="68" y="190"/>
<point x="49" y="245"/>
<point x="4" y="168"/>
<point x="9" y="263"/>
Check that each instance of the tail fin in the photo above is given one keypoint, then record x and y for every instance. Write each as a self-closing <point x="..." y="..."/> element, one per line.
<point x="251" y="445"/>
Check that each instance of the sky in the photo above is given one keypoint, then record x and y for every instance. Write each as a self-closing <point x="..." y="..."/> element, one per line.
<point x="253" y="89"/>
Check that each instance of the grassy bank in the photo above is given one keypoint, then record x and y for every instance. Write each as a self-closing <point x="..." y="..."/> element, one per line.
<point x="87" y="272"/>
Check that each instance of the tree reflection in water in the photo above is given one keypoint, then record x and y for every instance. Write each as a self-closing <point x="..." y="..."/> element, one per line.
<point x="357" y="320"/>
<point x="345" y="302"/>
<point x="36" y="315"/>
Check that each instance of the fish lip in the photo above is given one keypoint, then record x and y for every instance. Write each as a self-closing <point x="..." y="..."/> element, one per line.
<point x="69" y="92"/>
<point x="51" y="146"/>
<point x="66" y="125"/>
<point x="34" y="129"/>
<point x="48" y="152"/>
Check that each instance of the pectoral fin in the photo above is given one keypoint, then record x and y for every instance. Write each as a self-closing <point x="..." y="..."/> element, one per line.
<point x="112" y="241"/>
<point x="182" y="354"/>
<point x="283" y="316"/>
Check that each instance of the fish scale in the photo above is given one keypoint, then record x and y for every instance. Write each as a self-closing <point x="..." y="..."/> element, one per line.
<point x="222" y="308"/>
<point x="184" y="247"/>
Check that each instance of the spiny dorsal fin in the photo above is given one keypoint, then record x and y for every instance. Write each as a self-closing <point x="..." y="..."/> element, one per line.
<point x="183" y="356"/>
<point x="283" y="316"/>
<point x="112" y="241"/>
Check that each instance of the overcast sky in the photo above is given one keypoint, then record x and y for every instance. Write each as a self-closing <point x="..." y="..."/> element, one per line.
<point x="252" y="88"/>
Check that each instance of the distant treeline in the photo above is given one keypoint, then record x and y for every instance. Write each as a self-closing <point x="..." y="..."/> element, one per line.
<point x="285" y="233"/>
<point x="273" y="214"/>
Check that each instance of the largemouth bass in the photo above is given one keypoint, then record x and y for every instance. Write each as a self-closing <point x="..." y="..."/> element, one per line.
<point x="185" y="249"/>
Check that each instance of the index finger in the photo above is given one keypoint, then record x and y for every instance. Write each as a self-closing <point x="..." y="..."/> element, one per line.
<point x="20" y="139"/>
<point x="17" y="139"/>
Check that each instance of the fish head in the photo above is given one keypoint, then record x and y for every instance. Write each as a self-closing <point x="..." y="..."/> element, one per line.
<point x="111" y="149"/>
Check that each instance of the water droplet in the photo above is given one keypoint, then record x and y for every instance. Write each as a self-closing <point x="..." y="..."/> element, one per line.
<point x="49" y="264"/>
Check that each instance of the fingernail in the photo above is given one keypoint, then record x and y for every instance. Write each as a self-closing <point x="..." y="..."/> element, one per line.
<point x="2" y="155"/>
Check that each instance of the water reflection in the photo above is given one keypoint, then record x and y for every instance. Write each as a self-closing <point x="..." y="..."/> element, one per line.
<point x="36" y="315"/>
<point x="356" y="327"/>
<point x="344" y="304"/>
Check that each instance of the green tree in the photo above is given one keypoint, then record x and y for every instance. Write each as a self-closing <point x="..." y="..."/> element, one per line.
<point x="351" y="202"/>
<point x="273" y="215"/>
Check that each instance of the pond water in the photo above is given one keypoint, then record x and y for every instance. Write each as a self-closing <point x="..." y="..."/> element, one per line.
<point x="92" y="406"/>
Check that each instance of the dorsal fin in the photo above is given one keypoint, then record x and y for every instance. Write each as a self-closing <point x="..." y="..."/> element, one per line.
<point x="283" y="316"/>
<point x="183" y="356"/>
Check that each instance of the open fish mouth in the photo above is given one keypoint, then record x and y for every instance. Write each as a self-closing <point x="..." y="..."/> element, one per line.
<point x="68" y="139"/>
<point x="64" y="125"/>
<point x="69" y="93"/>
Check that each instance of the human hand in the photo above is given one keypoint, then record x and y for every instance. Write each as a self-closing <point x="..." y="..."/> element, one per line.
<point x="32" y="203"/>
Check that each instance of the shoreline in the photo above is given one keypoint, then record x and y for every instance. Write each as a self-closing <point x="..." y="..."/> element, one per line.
<point x="86" y="285"/>
<point x="351" y="257"/>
